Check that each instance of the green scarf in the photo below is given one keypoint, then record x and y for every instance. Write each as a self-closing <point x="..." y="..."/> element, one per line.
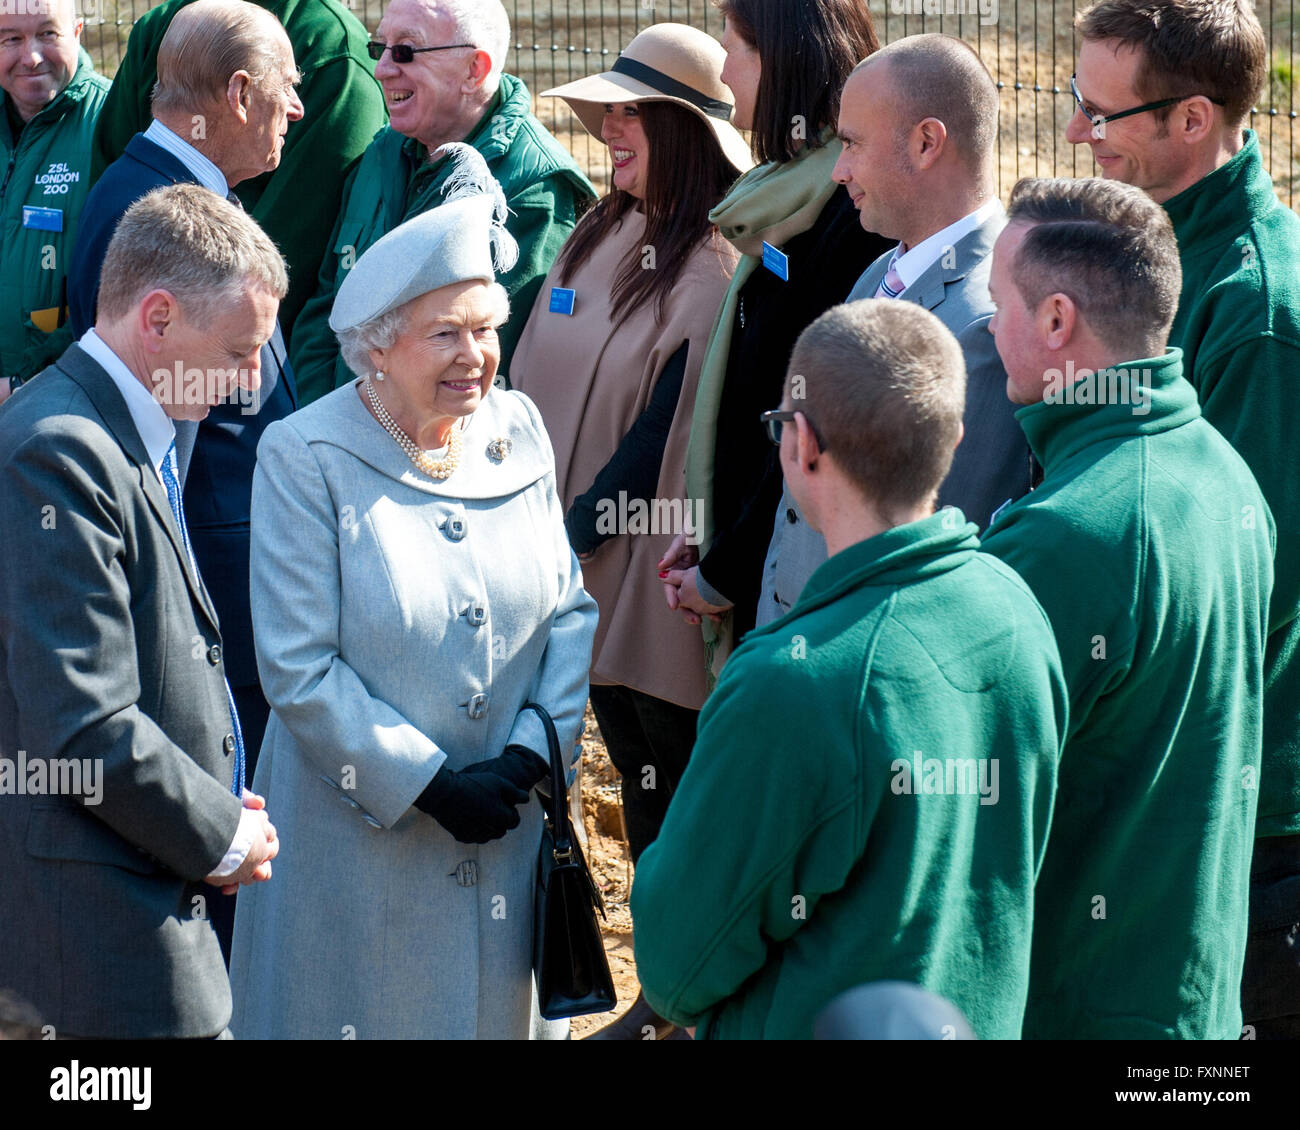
<point x="772" y="203"/>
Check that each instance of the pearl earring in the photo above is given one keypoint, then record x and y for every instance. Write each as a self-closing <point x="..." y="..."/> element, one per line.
<point x="379" y="374"/>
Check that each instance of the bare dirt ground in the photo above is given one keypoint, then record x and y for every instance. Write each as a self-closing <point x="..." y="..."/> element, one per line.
<point x="611" y="867"/>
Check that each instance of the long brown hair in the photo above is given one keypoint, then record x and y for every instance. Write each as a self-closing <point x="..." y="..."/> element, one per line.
<point x="806" y="51"/>
<point x="686" y="176"/>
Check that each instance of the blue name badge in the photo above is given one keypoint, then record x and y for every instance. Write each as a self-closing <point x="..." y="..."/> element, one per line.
<point x="775" y="262"/>
<point x="42" y="219"/>
<point x="562" y="301"/>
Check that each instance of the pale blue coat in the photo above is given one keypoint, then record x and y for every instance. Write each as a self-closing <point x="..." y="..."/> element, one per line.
<point x="401" y="622"/>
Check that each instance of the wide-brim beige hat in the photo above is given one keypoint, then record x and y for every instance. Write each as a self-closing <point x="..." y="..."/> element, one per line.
<point x="664" y="63"/>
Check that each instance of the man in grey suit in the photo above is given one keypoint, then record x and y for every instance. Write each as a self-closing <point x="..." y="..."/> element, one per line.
<point x="120" y="789"/>
<point x="918" y="122"/>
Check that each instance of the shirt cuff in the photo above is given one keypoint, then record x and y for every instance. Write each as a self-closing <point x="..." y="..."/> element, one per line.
<point x="709" y="593"/>
<point x="234" y="858"/>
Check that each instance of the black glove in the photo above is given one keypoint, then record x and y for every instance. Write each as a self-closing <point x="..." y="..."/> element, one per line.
<point x="473" y="805"/>
<point x="518" y="765"/>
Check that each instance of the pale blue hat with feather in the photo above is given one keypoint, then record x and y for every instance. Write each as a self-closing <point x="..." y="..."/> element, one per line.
<point x="462" y="239"/>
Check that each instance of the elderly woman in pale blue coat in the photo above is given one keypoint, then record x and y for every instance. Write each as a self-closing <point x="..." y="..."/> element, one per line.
<point x="413" y="587"/>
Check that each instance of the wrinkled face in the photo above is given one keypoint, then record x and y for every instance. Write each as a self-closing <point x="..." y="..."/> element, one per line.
<point x="425" y="97"/>
<point x="1014" y="326"/>
<point x="1136" y="150"/>
<point x="741" y="73"/>
<point x="871" y="166"/>
<point x="628" y="147"/>
<point x="444" y="361"/>
<point x="202" y="361"/>
<point x="274" y="103"/>
<point x="38" y="55"/>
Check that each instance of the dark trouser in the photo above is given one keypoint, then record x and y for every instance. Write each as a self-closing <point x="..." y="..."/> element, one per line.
<point x="649" y="741"/>
<point x="1270" y="987"/>
<point x="254" y="712"/>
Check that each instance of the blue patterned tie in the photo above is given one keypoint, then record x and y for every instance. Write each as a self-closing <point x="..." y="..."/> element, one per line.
<point x="178" y="512"/>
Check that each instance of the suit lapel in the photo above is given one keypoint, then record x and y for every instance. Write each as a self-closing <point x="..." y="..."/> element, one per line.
<point x="108" y="402"/>
<point x="955" y="263"/>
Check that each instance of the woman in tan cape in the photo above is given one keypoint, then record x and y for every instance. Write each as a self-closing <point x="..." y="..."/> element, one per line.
<point x="611" y="355"/>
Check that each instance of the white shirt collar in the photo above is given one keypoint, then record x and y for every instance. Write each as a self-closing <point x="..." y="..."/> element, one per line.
<point x="154" y="425"/>
<point x="205" y="172"/>
<point x="913" y="263"/>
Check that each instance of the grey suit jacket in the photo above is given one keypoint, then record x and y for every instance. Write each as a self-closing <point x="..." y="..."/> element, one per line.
<point x="110" y="659"/>
<point x="992" y="463"/>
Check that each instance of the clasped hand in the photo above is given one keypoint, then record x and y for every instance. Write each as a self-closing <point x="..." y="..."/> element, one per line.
<point x="678" y="569"/>
<point x="256" y="867"/>
<point x="481" y="802"/>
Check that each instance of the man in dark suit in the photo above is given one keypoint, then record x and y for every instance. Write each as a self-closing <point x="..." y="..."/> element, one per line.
<point x="110" y="648"/>
<point x="918" y="121"/>
<point x="214" y="129"/>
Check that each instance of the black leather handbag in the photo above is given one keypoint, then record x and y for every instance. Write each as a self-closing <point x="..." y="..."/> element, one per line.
<point x="569" y="961"/>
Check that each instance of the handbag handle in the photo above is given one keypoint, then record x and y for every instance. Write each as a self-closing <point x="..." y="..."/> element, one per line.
<point x="563" y="833"/>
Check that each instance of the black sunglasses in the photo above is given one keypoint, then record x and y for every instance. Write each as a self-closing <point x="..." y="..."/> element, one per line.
<point x="1099" y="120"/>
<point x="773" y="420"/>
<point x="404" y="52"/>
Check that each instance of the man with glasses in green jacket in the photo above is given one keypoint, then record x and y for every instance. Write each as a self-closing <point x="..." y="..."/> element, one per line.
<point x="1165" y="90"/>
<point x="52" y="97"/>
<point x="439" y="63"/>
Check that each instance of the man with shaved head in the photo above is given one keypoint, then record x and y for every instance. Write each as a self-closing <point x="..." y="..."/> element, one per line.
<point x="919" y="122"/>
<point x="52" y="98"/>
<point x="224" y="101"/>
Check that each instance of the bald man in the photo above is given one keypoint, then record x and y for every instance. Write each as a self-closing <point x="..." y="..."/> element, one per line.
<point x="919" y="122"/>
<point x="52" y="99"/>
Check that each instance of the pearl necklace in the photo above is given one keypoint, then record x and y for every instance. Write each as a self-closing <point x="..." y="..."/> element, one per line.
<point x="434" y="468"/>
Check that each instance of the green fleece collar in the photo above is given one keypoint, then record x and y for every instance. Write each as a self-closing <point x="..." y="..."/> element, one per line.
<point x="1138" y="398"/>
<point x="901" y="555"/>
<point x="1211" y="211"/>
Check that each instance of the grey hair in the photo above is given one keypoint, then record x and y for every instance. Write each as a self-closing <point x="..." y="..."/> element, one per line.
<point x="485" y="24"/>
<point x="188" y="241"/>
<point x="383" y="330"/>
<point x="206" y="43"/>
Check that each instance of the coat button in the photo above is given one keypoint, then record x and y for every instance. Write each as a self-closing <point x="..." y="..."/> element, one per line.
<point x="478" y="705"/>
<point x="456" y="528"/>
<point x="214" y="654"/>
<point x="790" y="515"/>
<point x="466" y="873"/>
<point x="228" y="743"/>
<point x="476" y="615"/>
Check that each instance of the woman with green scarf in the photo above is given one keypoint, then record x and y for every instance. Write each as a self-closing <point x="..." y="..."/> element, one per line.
<point x="802" y="248"/>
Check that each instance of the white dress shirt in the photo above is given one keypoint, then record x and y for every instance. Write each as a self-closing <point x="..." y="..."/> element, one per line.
<point x="157" y="432"/>
<point x="205" y="172"/>
<point x="915" y="261"/>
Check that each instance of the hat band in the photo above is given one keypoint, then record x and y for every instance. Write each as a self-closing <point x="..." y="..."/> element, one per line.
<point x="665" y="84"/>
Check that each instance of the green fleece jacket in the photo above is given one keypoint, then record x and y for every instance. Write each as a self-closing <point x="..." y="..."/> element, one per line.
<point x="868" y="798"/>
<point x="44" y="178"/>
<point x="1238" y="326"/>
<point x="395" y="181"/>
<point x="343" y="106"/>
<point x="1151" y="547"/>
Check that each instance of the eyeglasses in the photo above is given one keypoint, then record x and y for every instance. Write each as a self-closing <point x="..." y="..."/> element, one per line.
<point x="1099" y="120"/>
<point x="773" y="420"/>
<point x="404" y="52"/>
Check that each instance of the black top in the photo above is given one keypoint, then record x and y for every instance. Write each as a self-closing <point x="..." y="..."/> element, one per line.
<point x="634" y="467"/>
<point x="824" y="264"/>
